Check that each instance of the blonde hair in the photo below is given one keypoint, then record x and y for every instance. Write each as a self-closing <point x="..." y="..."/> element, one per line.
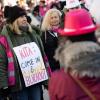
<point x="14" y="26"/>
<point x="46" y="20"/>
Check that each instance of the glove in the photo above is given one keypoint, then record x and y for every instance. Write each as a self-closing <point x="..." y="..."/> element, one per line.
<point x="45" y="84"/>
<point x="4" y="92"/>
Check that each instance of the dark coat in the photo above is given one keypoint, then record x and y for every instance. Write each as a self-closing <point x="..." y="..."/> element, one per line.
<point x="50" y="43"/>
<point x="83" y="59"/>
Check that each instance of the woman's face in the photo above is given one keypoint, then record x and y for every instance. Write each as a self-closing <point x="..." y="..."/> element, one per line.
<point x="54" y="19"/>
<point x="22" y="21"/>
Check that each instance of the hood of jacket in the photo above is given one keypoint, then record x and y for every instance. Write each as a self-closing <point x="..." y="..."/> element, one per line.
<point x="82" y="57"/>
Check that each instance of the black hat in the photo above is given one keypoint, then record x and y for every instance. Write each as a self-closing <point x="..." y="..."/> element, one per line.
<point x="12" y="13"/>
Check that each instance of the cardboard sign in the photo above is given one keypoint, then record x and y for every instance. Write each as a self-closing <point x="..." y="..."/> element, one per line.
<point x="72" y="3"/>
<point x="31" y="63"/>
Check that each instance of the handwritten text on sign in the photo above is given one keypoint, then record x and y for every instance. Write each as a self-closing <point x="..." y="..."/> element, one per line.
<point x="31" y="63"/>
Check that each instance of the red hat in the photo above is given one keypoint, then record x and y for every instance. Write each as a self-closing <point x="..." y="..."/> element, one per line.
<point x="77" y="22"/>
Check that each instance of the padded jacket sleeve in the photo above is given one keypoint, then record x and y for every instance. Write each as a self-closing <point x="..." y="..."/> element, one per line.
<point x="3" y="68"/>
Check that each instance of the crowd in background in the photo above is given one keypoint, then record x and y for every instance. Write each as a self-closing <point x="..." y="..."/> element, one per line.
<point x="36" y="12"/>
<point x="68" y="39"/>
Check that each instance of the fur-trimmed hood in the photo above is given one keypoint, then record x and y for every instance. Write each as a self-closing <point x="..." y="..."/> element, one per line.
<point x="82" y="57"/>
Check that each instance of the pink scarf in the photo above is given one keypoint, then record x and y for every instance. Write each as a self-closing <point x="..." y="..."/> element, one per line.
<point x="55" y="28"/>
<point x="11" y="69"/>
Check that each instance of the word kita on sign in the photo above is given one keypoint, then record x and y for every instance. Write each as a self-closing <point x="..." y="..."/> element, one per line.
<point x="31" y="63"/>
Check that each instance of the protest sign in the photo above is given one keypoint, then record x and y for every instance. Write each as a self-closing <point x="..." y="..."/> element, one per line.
<point x="31" y="63"/>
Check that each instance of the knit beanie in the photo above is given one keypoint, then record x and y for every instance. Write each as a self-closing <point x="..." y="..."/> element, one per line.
<point x="12" y="13"/>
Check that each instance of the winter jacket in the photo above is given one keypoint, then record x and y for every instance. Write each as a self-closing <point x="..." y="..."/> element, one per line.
<point x="16" y="40"/>
<point x="50" y="43"/>
<point x="84" y="59"/>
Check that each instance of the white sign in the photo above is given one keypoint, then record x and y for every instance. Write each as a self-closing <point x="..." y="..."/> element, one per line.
<point x="72" y="3"/>
<point x="31" y="63"/>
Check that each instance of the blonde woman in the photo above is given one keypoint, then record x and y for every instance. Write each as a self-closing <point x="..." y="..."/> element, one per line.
<point x="49" y="27"/>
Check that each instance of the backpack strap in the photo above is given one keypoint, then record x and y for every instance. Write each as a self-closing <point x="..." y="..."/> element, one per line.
<point x="83" y="87"/>
<point x="11" y="68"/>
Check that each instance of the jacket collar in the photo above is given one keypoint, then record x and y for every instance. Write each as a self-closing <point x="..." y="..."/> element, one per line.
<point x="82" y="57"/>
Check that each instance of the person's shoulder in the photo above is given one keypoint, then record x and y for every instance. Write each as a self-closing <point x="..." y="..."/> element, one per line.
<point x="5" y="29"/>
<point x="36" y="29"/>
<point x="57" y="79"/>
<point x="59" y="74"/>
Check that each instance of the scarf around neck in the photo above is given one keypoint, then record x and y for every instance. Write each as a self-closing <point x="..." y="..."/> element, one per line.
<point x="11" y="68"/>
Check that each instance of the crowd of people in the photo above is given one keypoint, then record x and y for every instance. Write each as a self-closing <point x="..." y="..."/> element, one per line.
<point x="50" y="46"/>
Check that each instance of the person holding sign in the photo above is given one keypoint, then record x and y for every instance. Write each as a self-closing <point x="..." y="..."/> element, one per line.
<point x="22" y="58"/>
